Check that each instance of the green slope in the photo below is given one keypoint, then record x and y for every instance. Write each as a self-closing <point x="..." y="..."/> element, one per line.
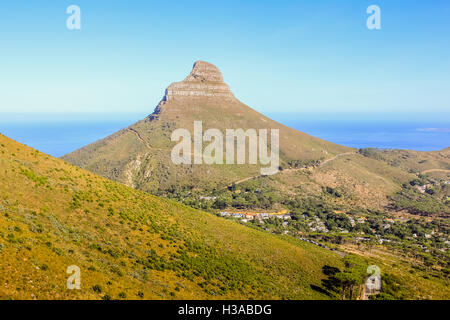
<point x="130" y="244"/>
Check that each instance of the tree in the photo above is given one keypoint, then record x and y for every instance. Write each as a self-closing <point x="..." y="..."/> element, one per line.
<point x="348" y="280"/>
<point x="345" y="282"/>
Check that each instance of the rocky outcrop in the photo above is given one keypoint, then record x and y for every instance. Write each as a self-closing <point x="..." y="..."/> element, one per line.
<point x="205" y="80"/>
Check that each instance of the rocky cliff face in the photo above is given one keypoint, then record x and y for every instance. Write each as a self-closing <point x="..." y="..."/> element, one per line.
<point x="204" y="81"/>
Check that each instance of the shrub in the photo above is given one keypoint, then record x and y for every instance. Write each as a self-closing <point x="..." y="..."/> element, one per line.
<point x="96" y="288"/>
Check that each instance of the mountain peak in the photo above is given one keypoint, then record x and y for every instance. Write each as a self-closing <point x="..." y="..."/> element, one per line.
<point x="205" y="71"/>
<point x="205" y="80"/>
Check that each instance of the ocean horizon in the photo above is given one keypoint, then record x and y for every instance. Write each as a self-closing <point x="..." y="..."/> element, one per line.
<point x="59" y="134"/>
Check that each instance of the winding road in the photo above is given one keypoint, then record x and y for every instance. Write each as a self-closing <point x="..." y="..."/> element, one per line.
<point x="435" y="170"/>
<point x="293" y="169"/>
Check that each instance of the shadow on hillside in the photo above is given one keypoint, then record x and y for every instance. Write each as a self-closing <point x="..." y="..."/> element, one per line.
<point x="330" y="284"/>
<point x="320" y="290"/>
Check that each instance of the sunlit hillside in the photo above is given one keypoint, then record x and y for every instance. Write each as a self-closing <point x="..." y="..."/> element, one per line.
<point x="130" y="244"/>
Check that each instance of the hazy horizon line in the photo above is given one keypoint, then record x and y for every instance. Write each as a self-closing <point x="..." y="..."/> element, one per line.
<point x="34" y="116"/>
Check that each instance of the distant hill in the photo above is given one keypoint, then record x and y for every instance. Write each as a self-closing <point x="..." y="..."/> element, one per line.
<point x="129" y="244"/>
<point x="139" y="155"/>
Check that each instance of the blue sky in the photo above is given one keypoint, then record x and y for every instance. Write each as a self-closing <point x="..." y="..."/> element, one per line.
<point x="277" y="56"/>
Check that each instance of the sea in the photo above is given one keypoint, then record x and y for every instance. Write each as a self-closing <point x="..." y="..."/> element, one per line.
<point x="59" y="134"/>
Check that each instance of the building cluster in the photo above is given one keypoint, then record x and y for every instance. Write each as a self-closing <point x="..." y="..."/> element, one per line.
<point x="252" y="216"/>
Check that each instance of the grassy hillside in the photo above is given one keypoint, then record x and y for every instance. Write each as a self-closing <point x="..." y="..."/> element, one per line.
<point x="413" y="161"/>
<point x="130" y="244"/>
<point x="146" y="164"/>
